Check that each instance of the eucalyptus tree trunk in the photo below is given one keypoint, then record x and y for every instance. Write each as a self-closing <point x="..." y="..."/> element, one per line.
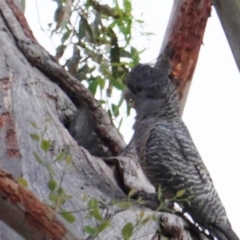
<point x="37" y="100"/>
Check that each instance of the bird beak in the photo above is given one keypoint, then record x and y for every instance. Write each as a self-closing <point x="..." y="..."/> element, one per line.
<point x="129" y="97"/>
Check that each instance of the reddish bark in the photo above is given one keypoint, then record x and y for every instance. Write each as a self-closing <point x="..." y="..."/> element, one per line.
<point x="7" y="123"/>
<point x="19" y="203"/>
<point x="184" y="37"/>
<point x="21" y="19"/>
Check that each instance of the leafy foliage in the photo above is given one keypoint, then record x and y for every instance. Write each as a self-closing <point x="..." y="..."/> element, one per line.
<point x="57" y="195"/>
<point x="23" y="182"/>
<point x="127" y="231"/>
<point x="179" y="198"/>
<point x="99" y="36"/>
<point x="94" y="213"/>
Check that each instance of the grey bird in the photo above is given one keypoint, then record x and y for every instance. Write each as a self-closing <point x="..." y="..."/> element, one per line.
<point x="166" y="150"/>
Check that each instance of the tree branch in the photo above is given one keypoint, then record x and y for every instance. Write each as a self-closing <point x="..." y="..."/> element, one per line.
<point x="18" y="206"/>
<point x="183" y="38"/>
<point x="41" y="59"/>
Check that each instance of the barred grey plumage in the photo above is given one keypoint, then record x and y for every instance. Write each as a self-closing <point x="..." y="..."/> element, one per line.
<point x="166" y="151"/>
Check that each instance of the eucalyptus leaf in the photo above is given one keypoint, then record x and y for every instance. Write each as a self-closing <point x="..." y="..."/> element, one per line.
<point x="69" y="217"/>
<point x="127" y="231"/>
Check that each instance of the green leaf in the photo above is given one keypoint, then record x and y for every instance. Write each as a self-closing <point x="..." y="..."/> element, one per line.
<point x="124" y="53"/>
<point x="141" y="201"/>
<point x="117" y="84"/>
<point x="109" y="114"/>
<point x="60" y="156"/>
<point x="127" y="231"/>
<point x="33" y="124"/>
<point x="103" y="225"/>
<point x="68" y="159"/>
<point x="81" y="29"/>
<point x="139" y="21"/>
<point x="69" y="217"/>
<point x="37" y="158"/>
<point x="23" y="182"/>
<point x="117" y="9"/>
<point x="127" y="5"/>
<point x="96" y="214"/>
<point x="52" y="185"/>
<point x="53" y="197"/>
<point x="93" y="203"/>
<point x="120" y="123"/>
<point x="159" y="193"/>
<point x="180" y="193"/>
<point x="135" y="56"/>
<point x="115" y="110"/>
<point x="128" y="108"/>
<point x="85" y="31"/>
<point x="146" y="220"/>
<point x="60" y="191"/>
<point x="50" y="169"/>
<point x="124" y="205"/>
<point x="90" y="231"/>
<point x="101" y="82"/>
<point x="45" y="145"/>
<point x="127" y="30"/>
<point x="132" y="191"/>
<point x="34" y="136"/>
<point x="155" y="218"/>
<point x="60" y="51"/>
<point x="65" y="36"/>
<point x="102" y="101"/>
<point x="95" y="26"/>
<point x="93" y="86"/>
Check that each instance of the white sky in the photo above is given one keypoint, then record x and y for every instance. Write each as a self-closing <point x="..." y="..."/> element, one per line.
<point x="212" y="112"/>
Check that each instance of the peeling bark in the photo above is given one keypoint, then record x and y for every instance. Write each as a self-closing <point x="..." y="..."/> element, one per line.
<point x="40" y="222"/>
<point x="183" y="39"/>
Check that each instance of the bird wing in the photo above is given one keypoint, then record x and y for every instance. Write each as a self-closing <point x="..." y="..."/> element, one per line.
<point x="170" y="154"/>
<point x="170" y="159"/>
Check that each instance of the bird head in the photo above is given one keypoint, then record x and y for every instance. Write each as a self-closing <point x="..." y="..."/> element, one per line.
<point x="149" y="87"/>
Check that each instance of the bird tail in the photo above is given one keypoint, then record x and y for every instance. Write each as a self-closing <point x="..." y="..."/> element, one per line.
<point x="223" y="232"/>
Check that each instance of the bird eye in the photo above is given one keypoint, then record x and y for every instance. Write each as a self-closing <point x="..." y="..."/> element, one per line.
<point x="131" y="100"/>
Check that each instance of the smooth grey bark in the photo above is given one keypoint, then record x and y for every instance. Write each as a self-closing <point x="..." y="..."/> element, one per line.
<point x="28" y="93"/>
<point x="229" y="15"/>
